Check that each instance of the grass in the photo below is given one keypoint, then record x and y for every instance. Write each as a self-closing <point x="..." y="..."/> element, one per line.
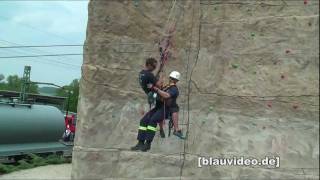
<point x="31" y="161"/>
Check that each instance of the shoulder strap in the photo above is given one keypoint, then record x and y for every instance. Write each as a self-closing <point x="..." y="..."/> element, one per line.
<point x="166" y="87"/>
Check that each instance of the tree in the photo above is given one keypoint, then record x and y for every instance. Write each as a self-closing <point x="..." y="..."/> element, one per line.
<point x="14" y="83"/>
<point x="73" y="88"/>
<point x="2" y="84"/>
<point x="1" y="77"/>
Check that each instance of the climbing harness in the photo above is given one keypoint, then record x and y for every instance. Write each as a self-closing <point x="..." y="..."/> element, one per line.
<point x="152" y="96"/>
<point x="170" y="124"/>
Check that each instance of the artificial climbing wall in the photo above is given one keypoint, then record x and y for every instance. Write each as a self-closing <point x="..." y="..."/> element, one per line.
<point x="250" y="79"/>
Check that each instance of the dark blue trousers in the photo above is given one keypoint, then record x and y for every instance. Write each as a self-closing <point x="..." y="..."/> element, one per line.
<point x="148" y="124"/>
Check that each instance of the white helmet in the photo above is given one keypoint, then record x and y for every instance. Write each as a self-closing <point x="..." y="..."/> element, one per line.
<point x="175" y="75"/>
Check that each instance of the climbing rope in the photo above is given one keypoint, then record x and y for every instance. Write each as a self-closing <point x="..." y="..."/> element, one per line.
<point x="189" y="86"/>
<point x="165" y="42"/>
<point x="170" y="13"/>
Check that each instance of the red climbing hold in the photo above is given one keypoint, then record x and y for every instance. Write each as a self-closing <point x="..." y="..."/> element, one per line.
<point x="305" y="2"/>
<point x="269" y="104"/>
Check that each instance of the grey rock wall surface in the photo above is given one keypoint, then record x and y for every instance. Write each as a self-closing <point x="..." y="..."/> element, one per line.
<point x="250" y="87"/>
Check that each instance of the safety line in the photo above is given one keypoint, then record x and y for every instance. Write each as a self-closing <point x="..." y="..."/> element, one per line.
<point x="189" y="88"/>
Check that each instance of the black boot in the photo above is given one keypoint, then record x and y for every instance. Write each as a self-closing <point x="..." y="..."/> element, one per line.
<point x="138" y="146"/>
<point x="146" y="146"/>
<point x="162" y="134"/>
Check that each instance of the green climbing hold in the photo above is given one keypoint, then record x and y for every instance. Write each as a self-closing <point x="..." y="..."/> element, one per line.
<point x="235" y="66"/>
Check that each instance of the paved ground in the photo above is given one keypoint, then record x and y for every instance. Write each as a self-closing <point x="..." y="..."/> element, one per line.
<point x="62" y="171"/>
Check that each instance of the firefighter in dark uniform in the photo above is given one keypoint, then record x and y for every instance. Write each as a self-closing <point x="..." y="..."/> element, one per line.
<point x="148" y="124"/>
<point x="147" y="78"/>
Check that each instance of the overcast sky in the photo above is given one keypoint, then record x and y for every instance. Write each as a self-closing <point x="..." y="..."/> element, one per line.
<point x="43" y="23"/>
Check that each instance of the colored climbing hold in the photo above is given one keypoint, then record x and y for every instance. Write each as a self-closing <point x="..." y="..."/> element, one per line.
<point x="282" y="76"/>
<point x="269" y="104"/>
<point x="288" y="51"/>
<point x="305" y="2"/>
<point x="235" y="66"/>
<point x="136" y="3"/>
<point x="253" y="34"/>
<point x="142" y="112"/>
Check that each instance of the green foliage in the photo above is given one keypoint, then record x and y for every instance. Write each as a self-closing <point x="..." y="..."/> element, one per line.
<point x="73" y="88"/>
<point x="1" y="77"/>
<point x="14" y="83"/>
<point x="7" y="168"/>
<point x="24" y="165"/>
<point x="37" y="160"/>
<point x="49" y="91"/>
<point x="31" y="162"/>
<point x="53" y="159"/>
